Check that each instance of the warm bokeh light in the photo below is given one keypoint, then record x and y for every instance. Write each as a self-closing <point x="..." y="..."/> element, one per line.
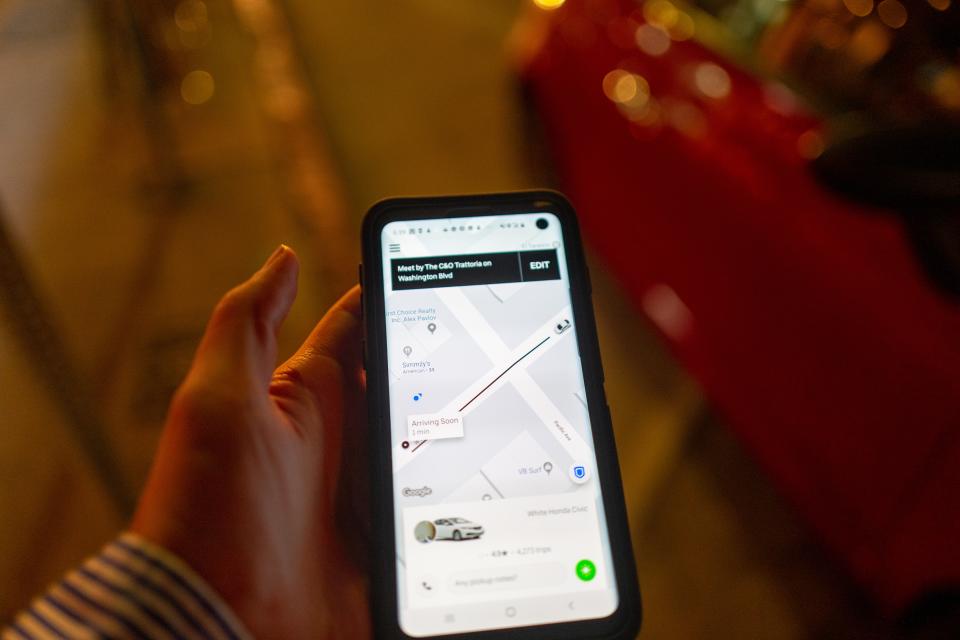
<point x="683" y="28"/>
<point x="861" y="8"/>
<point x="549" y="5"/>
<point x="664" y="15"/>
<point x="617" y="85"/>
<point x="685" y="117"/>
<point x="939" y="5"/>
<point x="192" y="25"/>
<point x="668" y="311"/>
<point x="869" y="43"/>
<point x="810" y="144"/>
<point x="661" y="13"/>
<point x="646" y="116"/>
<point x="712" y="80"/>
<point x="892" y="13"/>
<point x="830" y="34"/>
<point x="652" y="40"/>
<point x="946" y="87"/>
<point x="285" y="102"/>
<point x="197" y="87"/>
<point x="190" y="15"/>
<point x="780" y="98"/>
<point x="626" y="89"/>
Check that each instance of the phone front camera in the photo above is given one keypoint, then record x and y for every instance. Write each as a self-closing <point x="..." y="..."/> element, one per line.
<point x="542" y="223"/>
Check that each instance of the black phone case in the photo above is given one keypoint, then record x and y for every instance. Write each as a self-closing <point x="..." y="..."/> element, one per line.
<point x="625" y="621"/>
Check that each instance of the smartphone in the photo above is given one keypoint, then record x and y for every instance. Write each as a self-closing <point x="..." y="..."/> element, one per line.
<point x="497" y="502"/>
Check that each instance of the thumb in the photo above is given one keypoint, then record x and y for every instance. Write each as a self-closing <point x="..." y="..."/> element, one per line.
<point x="240" y="342"/>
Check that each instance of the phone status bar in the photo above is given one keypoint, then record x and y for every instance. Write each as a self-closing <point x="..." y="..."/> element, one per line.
<point x="456" y="228"/>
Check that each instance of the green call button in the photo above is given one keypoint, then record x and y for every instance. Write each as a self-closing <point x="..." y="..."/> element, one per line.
<point x="586" y="570"/>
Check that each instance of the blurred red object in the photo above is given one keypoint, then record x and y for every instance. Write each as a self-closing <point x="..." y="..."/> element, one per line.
<point x="805" y="318"/>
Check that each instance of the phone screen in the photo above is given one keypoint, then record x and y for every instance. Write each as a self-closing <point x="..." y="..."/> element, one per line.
<point x="499" y="516"/>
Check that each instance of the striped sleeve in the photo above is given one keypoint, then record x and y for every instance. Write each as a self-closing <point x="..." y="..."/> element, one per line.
<point x="132" y="589"/>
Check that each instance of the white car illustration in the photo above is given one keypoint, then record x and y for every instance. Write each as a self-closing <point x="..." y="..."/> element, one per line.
<point x="457" y="529"/>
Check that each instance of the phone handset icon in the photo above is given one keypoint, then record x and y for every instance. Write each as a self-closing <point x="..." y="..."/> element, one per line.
<point x="427" y="586"/>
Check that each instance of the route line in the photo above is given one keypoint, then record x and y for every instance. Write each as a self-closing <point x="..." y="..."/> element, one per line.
<point x="504" y="373"/>
<point x="490" y="482"/>
<point x="420" y="444"/>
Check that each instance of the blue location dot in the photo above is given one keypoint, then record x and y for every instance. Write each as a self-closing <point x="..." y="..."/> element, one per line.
<point x="417" y="397"/>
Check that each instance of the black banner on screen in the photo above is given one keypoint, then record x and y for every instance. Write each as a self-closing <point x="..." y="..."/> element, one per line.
<point x="474" y="269"/>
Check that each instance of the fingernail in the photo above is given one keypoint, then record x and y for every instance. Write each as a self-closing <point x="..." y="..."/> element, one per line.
<point x="276" y="255"/>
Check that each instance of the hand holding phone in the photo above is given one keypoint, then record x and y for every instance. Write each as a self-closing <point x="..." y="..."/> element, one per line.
<point x="495" y="479"/>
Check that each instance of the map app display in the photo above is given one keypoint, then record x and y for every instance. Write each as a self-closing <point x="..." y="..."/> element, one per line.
<point x="499" y="516"/>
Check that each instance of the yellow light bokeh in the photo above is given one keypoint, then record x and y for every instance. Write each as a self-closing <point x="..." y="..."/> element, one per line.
<point x="197" y="87"/>
<point x="860" y="8"/>
<point x="869" y="43"/>
<point x="939" y="5"/>
<point x="683" y="28"/>
<point x="190" y="15"/>
<point x="626" y="89"/>
<point x="946" y="88"/>
<point x="661" y="13"/>
<point x="646" y="116"/>
<point x="549" y="5"/>
<point x="892" y="13"/>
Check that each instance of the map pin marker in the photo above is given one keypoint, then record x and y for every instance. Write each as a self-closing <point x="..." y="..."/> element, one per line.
<point x="548" y="467"/>
<point x="431" y="327"/>
<point x="407" y="350"/>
